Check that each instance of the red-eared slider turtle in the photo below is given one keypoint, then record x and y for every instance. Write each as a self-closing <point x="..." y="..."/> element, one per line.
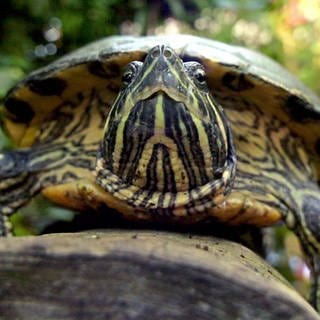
<point x="154" y="126"/>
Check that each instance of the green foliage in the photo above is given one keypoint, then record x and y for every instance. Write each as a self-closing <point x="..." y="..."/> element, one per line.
<point x="34" y="32"/>
<point x="38" y="215"/>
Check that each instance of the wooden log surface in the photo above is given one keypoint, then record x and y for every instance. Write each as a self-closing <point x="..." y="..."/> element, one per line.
<point x="119" y="275"/>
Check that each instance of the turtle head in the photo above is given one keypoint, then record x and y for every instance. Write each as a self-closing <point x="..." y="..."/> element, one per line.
<point x="167" y="144"/>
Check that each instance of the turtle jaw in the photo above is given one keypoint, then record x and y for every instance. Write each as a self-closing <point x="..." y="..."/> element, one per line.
<point x="140" y="203"/>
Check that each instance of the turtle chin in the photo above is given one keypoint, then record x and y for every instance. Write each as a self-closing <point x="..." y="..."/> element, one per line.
<point x="145" y="202"/>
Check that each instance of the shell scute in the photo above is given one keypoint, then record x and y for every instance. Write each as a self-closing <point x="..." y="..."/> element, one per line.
<point x="48" y="87"/>
<point x="20" y="110"/>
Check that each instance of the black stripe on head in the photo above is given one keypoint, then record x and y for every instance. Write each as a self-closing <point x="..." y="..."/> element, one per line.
<point x="152" y="175"/>
<point x="108" y="143"/>
<point x="138" y="129"/>
<point x="217" y="147"/>
<point x="177" y="116"/>
<point x="173" y="130"/>
<point x="169" y="184"/>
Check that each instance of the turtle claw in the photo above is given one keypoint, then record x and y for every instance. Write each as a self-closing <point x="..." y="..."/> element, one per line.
<point x="5" y="226"/>
<point x="15" y="192"/>
<point x="12" y="199"/>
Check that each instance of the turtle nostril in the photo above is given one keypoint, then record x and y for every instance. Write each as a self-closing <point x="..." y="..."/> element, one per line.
<point x="155" y="52"/>
<point x="167" y="52"/>
<point x="164" y="51"/>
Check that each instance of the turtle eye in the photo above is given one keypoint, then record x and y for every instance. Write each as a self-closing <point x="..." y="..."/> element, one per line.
<point x="130" y="72"/>
<point x="200" y="76"/>
<point x="127" y="77"/>
<point x="197" y="73"/>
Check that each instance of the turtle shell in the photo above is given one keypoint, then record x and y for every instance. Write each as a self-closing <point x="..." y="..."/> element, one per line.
<point x="231" y="71"/>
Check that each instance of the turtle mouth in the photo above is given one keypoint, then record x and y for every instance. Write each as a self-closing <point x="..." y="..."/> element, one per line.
<point x="157" y="93"/>
<point x="161" y="89"/>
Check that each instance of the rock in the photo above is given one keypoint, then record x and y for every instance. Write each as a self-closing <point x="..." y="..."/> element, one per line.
<point x="119" y="275"/>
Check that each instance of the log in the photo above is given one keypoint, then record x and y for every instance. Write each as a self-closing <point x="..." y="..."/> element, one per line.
<point x="125" y="274"/>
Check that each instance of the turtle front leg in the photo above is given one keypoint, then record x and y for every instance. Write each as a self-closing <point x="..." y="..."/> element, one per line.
<point x="17" y="186"/>
<point x="26" y="172"/>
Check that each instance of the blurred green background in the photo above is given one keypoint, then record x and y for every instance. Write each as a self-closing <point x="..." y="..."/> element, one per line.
<point x="35" y="32"/>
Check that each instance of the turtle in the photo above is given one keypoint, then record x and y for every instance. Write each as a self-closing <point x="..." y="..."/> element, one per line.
<point x="175" y="129"/>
